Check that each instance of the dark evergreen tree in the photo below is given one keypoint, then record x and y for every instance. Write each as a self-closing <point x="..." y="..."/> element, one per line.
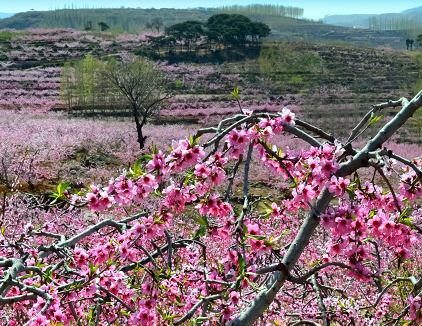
<point x="189" y="32"/>
<point x="103" y="26"/>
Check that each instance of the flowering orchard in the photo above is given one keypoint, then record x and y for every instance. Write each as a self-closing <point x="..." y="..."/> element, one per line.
<point x="60" y="44"/>
<point x="126" y="260"/>
<point x="35" y="90"/>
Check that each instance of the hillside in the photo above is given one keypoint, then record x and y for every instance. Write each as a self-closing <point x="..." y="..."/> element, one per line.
<point x="301" y="29"/>
<point x="362" y="20"/>
<point x="411" y="10"/>
<point x="128" y="19"/>
<point x="133" y="21"/>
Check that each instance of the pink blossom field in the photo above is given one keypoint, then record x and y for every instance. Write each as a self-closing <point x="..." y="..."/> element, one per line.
<point x="47" y="148"/>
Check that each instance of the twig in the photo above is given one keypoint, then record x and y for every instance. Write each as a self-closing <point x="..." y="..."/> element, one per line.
<point x="191" y="312"/>
<point x="278" y="158"/>
<point x="229" y="188"/>
<point x="170" y="248"/>
<point x="116" y="298"/>
<point x="321" y="306"/>
<point x="150" y="257"/>
<point x="74" y="314"/>
<point x="396" y="202"/>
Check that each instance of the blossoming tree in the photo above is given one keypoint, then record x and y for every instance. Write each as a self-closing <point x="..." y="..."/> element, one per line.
<point x="352" y="259"/>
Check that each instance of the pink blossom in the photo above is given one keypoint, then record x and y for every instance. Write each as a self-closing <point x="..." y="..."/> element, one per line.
<point x="227" y="312"/>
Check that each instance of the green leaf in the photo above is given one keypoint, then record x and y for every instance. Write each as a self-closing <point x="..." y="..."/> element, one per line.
<point x="189" y="176"/>
<point x="313" y="264"/>
<point x="236" y="212"/>
<point x="407" y="222"/>
<point x="156" y="193"/>
<point x="351" y="193"/>
<point x="137" y="169"/>
<point x="354" y="182"/>
<point x="268" y="206"/>
<point x="154" y="149"/>
<point x="92" y="268"/>
<point x="256" y="237"/>
<point x="253" y="285"/>
<point x="280" y="152"/>
<point x="160" y="312"/>
<point x="56" y="196"/>
<point x="294" y="185"/>
<point x="201" y="219"/>
<point x="193" y="140"/>
<point x="403" y="214"/>
<point x="171" y="317"/>
<point x="245" y="229"/>
<point x="145" y="157"/>
<point x="241" y="263"/>
<point x="202" y="231"/>
<point x="62" y="187"/>
<point x="374" y="119"/>
<point x="235" y="94"/>
<point x="238" y="284"/>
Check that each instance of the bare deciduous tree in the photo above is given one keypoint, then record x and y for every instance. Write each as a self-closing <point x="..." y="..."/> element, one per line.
<point x="142" y="84"/>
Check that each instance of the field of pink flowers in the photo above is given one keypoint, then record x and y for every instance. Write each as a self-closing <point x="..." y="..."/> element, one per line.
<point x="47" y="148"/>
<point x="61" y="43"/>
<point x="34" y="90"/>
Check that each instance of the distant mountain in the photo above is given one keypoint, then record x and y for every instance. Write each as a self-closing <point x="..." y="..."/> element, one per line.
<point x="5" y="15"/>
<point x="347" y="20"/>
<point x="362" y="20"/>
<point x="408" y="11"/>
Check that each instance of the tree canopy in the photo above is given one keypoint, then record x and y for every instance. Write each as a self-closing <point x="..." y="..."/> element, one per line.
<point x="190" y="31"/>
<point x="103" y="26"/>
<point x="226" y="29"/>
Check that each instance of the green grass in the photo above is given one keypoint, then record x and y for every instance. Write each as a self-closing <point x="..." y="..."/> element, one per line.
<point x="5" y="36"/>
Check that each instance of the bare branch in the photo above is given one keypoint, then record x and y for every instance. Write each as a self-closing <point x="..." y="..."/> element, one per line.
<point x="229" y="188"/>
<point x="191" y="312"/>
<point x="170" y="248"/>
<point x="119" y="225"/>
<point x="18" y="298"/>
<point x="315" y="130"/>
<point x="321" y="306"/>
<point x="150" y="257"/>
<point x="116" y="298"/>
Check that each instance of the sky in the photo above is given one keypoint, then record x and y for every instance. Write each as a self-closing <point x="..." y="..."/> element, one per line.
<point x="312" y="9"/>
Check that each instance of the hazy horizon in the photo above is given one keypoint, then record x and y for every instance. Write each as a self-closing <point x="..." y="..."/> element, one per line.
<point x="312" y="9"/>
